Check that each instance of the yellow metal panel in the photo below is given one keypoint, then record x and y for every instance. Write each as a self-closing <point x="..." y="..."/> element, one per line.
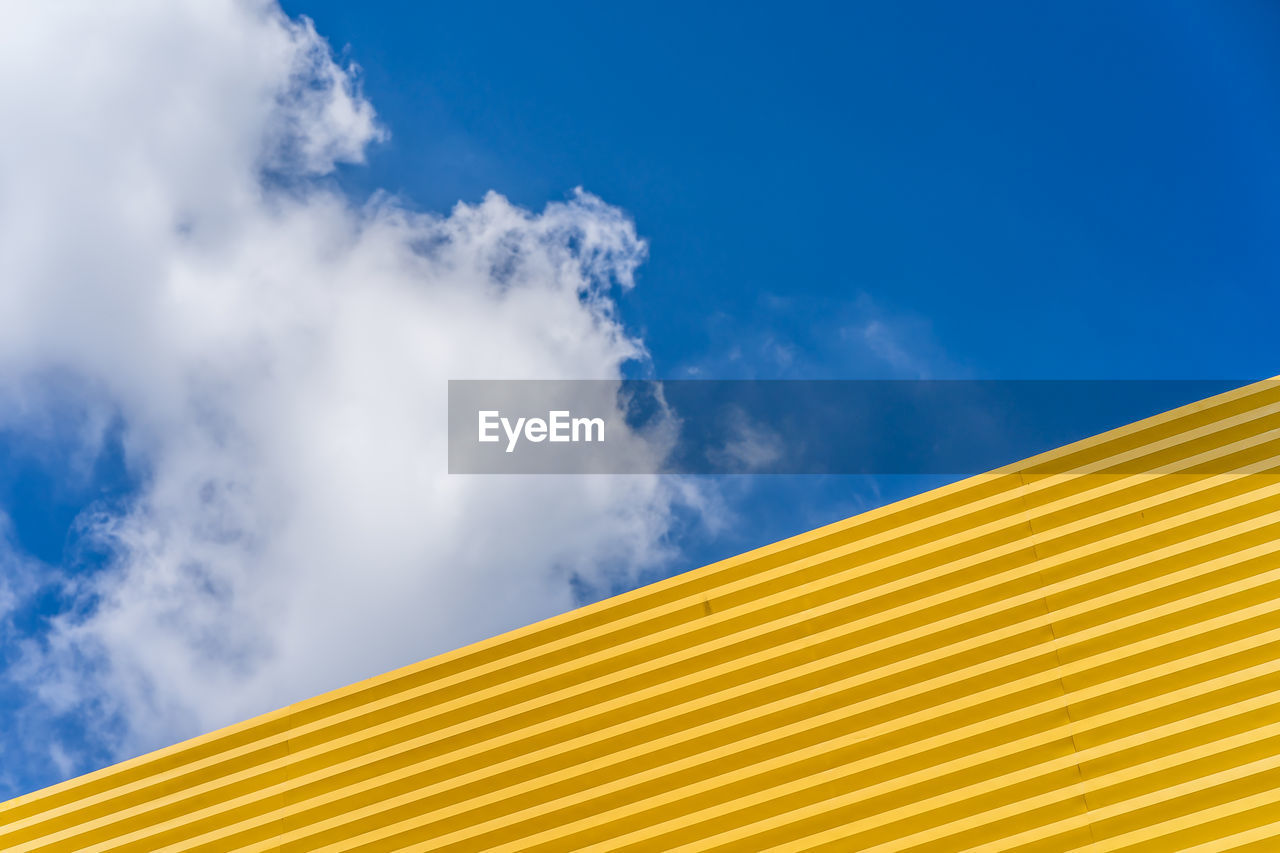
<point x="1021" y="662"/>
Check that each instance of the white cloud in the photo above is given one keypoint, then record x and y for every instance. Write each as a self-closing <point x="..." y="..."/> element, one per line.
<point x="279" y="357"/>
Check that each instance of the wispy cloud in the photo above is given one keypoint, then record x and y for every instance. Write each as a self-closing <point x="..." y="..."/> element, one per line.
<point x="750" y="446"/>
<point x="852" y="336"/>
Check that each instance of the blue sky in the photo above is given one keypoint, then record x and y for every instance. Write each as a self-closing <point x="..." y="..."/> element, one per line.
<point x="995" y="190"/>
<point x="1006" y="190"/>
<point x="1077" y="190"/>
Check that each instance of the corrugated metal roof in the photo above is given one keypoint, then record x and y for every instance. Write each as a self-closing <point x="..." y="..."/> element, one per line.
<point x="1012" y="662"/>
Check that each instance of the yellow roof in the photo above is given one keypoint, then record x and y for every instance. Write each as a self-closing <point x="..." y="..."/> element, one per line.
<point x="1013" y="662"/>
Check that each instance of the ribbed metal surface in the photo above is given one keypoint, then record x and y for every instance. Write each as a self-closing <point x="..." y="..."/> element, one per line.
<point x="1010" y="663"/>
